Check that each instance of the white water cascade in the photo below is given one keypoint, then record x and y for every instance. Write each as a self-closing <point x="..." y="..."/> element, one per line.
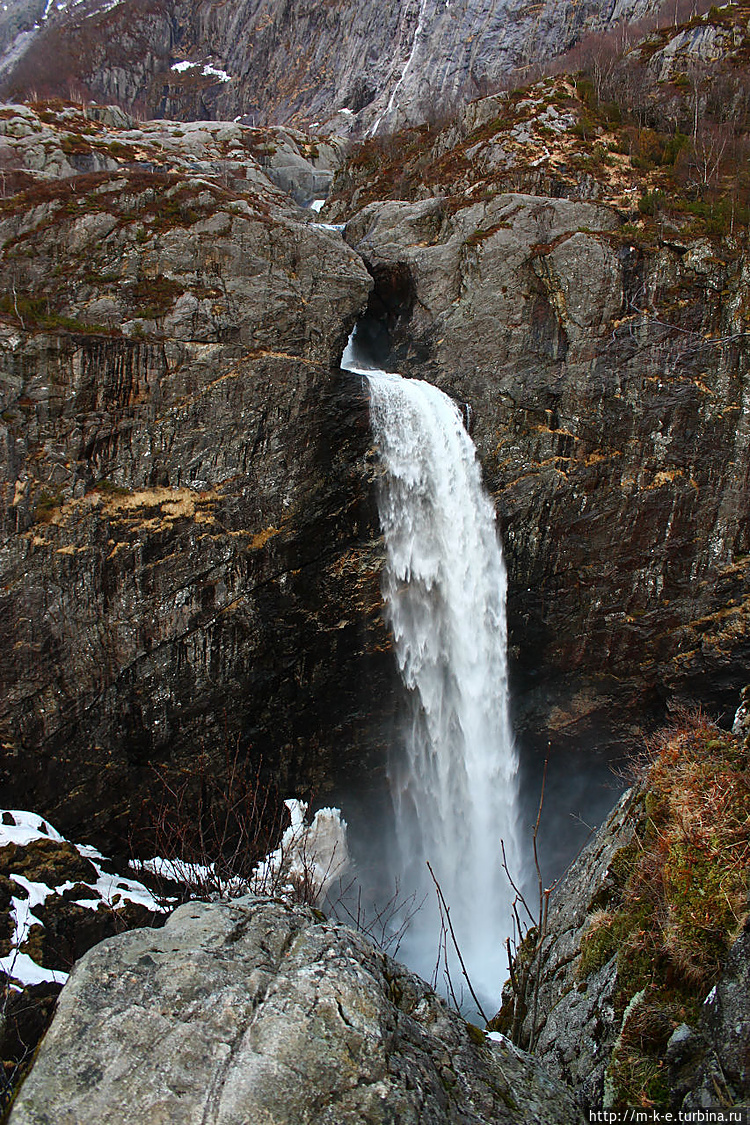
<point x="412" y="54"/>
<point x="454" y="779"/>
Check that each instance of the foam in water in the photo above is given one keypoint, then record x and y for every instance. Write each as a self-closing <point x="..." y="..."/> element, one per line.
<point x="454" y="779"/>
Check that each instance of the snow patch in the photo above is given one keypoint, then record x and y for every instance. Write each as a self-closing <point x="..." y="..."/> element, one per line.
<point x="310" y="857"/>
<point x="207" y="70"/>
<point x="104" y="8"/>
<point x="22" y="828"/>
<point x="212" y="71"/>
<point x="176" y="870"/>
<point x="19" y="967"/>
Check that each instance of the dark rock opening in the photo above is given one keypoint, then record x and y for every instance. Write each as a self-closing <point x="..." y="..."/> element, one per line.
<point x="361" y="94"/>
<point x="393" y="295"/>
<point x="373" y="341"/>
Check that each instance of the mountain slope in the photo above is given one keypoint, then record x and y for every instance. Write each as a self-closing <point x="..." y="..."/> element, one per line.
<point x="383" y="65"/>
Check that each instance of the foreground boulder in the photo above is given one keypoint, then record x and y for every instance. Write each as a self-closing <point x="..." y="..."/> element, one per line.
<point x="256" y="1011"/>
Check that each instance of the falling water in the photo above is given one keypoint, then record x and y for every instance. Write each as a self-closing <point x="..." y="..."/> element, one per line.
<point x="412" y="54"/>
<point x="454" y="780"/>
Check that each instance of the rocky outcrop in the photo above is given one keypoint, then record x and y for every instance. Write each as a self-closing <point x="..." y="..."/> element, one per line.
<point x="634" y="990"/>
<point x="254" y="1011"/>
<point x="189" y="549"/>
<point x="57" y="141"/>
<point x="572" y="1019"/>
<point x="607" y="378"/>
<point x="537" y="140"/>
<point x="364" y="67"/>
<point x="57" y="900"/>
<point x="716" y="1059"/>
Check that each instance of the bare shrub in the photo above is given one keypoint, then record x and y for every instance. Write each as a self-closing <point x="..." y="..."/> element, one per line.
<point x="210" y="825"/>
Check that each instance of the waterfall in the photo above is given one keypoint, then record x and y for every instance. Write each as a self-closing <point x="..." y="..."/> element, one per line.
<point x="454" y="779"/>
<point x="414" y="47"/>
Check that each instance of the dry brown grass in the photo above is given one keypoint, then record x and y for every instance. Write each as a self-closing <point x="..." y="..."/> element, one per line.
<point x="681" y="896"/>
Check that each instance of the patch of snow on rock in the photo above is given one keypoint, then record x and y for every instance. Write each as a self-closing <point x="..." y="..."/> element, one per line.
<point x="214" y="72"/>
<point x="20" y="828"/>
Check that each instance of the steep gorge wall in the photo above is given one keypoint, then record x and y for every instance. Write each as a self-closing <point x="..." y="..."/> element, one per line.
<point x="383" y="64"/>
<point x="189" y="551"/>
<point x="608" y="381"/>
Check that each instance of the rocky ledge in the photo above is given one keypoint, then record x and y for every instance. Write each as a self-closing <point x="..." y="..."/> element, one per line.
<point x="259" y="1011"/>
<point x="635" y="988"/>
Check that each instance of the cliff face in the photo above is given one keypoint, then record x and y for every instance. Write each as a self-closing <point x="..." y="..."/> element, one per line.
<point x="606" y="369"/>
<point x="382" y="64"/>
<point x="188" y="555"/>
<point x="190" y="546"/>
<point x="634" y="990"/>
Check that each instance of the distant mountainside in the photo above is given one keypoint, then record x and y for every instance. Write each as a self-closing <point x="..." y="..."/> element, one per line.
<point x="370" y="66"/>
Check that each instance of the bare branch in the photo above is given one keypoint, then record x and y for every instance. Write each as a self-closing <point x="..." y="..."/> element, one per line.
<point x="444" y="905"/>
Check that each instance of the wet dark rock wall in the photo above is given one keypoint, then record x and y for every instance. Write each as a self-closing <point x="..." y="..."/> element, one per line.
<point x="190" y="552"/>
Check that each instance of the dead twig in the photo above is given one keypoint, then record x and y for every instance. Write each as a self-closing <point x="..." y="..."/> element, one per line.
<point x="444" y="907"/>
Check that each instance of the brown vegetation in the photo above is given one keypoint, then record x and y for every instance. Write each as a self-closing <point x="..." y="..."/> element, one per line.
<point x="680" y="896"/>
<point x="670" y="154"/>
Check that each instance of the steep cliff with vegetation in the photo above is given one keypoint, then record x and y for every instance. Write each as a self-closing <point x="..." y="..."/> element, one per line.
<point x="634" y="988"/>
<point x="575" y="269"/>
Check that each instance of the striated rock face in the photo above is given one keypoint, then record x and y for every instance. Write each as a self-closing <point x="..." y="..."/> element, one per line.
<point x="256" y="1011"/>
<point x="607" y="380"/>
<point x="189" y="555"/>
<point x="370" y="66"/>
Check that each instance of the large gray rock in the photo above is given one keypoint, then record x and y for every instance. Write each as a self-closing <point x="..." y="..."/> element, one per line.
<point x="257" y="1012"/>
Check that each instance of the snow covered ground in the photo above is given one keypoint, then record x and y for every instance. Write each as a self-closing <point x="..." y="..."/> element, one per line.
<point x="310" y="858"/>
<point x="21" y="828"/>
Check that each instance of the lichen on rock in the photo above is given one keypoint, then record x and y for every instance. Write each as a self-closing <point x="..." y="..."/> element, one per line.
<point x="257" y="1011"/>
<point x="639" y="998"/>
